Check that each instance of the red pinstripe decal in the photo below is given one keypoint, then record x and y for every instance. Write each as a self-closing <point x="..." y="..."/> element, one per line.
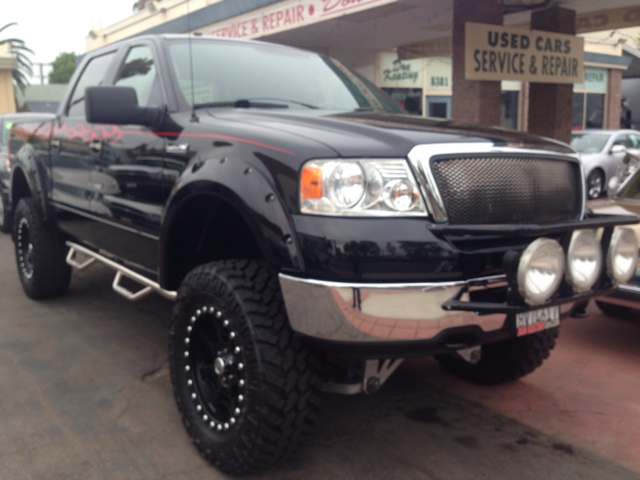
<point x="114" y="133"/>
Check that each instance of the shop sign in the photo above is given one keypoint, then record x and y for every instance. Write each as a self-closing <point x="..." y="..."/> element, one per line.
<point x="595" y="80"/>
<point x="608" y="19"/>
<point x="439" y="74"/>
<point x="287" y="15"/>
<point x="493" y="52"/>
<point x="399" y="73"/>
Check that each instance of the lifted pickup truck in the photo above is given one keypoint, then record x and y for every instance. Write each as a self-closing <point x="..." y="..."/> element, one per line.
<point x="311" y="233"/>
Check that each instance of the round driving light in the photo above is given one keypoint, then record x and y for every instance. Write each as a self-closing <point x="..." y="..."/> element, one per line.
<point x="401" y="195"/>
<point x="584" y="260"/>
<point x="346" y="184"/>
<point x="622" y="257"/>
<point x="540" y="270"/>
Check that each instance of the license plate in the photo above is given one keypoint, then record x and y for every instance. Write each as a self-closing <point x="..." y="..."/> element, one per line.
<point x="537" y="320"/>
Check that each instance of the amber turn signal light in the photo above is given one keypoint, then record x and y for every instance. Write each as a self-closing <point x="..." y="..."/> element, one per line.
<point x="310" y="183"/>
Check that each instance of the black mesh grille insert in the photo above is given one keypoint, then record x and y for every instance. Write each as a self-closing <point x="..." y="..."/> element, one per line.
<point x="508" y="190"/>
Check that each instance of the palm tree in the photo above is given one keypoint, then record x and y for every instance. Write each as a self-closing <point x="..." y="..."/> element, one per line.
<point x="20" y="50"/>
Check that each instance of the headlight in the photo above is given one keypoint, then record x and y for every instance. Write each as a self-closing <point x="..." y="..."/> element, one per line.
<point x="584" y="260"/>
<point x="622" y="257"/>
<point x="540" y="270"/>
<point x="359" y="188"/>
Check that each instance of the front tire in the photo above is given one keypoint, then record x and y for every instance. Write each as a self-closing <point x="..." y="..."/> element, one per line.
<point x="40" y="254"/>
<point x="246" y="387"/>
<point x="613" y="310"/>
<point x="504" y="361"/>
<point x="5" y="215"/>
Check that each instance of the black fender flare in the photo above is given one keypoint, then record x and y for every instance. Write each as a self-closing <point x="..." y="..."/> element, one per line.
<point x="26" y="165"/>
<point x="248" y="190"/>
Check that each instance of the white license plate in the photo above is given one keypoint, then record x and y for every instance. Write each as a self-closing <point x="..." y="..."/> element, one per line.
<point x="537" y="320"/>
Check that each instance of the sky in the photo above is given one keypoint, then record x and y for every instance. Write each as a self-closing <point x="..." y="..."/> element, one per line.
<point x="51" y="27"/>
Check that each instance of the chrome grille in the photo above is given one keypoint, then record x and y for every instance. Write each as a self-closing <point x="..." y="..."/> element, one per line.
<point x="508" y="190"/>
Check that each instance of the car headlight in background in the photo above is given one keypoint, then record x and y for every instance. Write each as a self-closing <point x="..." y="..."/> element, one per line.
<point x="359" y="188"/>
<point x="540" y="270"/>
<point x="622" y="257"/>
<point x="584" y="260"/>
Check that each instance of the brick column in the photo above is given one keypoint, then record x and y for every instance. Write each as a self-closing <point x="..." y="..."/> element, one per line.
<point x="551" y="104"/>
<point x="614" y="97"/>
<point x="473" y="101"/>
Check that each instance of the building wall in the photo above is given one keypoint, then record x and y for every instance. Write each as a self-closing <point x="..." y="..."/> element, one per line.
<point x="7" y="102"/>
<point x="362" y="61"/>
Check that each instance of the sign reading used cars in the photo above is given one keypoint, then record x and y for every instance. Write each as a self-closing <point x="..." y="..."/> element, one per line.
<point x="493" y="52"/>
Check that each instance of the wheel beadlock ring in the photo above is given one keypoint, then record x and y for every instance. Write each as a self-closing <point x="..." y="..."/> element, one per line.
<point x="218" y="397"/>
<point x="24" y="257"/>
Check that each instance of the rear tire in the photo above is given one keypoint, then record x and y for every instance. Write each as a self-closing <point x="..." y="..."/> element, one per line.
<point x="504" y="361"/>
<point x="40" y="254"/>
<point x="5" y="215"/>
<point x="246" y="387"/>
<point x="616" y="311"/>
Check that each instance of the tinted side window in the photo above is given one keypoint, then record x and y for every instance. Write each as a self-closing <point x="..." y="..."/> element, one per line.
<point x="139" y="72"/>
<point x="635" y="140"/>
<point x="92" y="75"/>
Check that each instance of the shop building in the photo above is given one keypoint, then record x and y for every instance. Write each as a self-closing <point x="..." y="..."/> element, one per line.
<point x="415" y="51"/>
<point x="424" y="87"/>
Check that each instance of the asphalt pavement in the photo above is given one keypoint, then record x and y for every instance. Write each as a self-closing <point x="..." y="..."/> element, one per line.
<point x="85" y="394"/>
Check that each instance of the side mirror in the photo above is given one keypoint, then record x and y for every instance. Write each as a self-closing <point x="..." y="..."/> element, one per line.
<point x="618" y="149"/>
<point x="118" y="106"/>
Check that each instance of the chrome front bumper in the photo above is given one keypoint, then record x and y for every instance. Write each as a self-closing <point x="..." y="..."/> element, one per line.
<point x="349" y="312"/>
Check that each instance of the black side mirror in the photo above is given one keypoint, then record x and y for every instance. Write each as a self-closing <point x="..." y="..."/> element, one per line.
<point x="119" y="106"/>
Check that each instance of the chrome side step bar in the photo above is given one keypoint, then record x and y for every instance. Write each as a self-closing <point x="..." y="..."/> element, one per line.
<point x="121" y="271"/>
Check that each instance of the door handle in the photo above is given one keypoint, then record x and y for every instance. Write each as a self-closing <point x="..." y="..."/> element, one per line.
<point x="95" y="145"/>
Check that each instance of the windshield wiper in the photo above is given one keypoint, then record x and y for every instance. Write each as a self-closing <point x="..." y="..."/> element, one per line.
<point x="240" y="104"/>
<point x="285" y="100"/>
<point x="255" y="103"/>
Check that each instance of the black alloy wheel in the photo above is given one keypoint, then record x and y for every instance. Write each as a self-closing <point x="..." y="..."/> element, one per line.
<point x="215" y="359"/>
<point x="595" y="184"/>
<point x="246" y="387"/>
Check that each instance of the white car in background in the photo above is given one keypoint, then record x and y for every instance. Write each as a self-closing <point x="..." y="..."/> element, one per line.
<point x="601" y="152"/>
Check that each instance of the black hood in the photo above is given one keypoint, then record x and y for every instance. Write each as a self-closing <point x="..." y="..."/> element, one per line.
<point x="379" y="135"/>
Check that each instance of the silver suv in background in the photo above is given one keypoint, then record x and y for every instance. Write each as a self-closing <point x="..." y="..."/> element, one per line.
<point x="601" y="152"/>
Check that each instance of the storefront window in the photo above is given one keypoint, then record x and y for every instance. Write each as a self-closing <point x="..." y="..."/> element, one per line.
<point x="438" y="106"/>
<point x="408" y="98"/>
<point x="509" y="109"/>
<point x="578" y="111"/>
<point x="589" y="99"/>
<point x="594" y="113"/>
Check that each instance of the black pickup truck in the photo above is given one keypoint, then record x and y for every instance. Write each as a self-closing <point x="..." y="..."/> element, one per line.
<point x="311" y="232"/>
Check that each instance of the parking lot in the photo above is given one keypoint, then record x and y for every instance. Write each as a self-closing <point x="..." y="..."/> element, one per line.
<point x="86" y="394"/>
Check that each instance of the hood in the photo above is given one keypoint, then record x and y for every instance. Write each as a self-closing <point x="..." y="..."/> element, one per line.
<point x="379" y="135"/>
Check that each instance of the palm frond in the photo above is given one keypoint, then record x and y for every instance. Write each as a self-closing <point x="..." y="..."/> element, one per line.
<point x="20" y="50"/>
<point x="7" y="26"/>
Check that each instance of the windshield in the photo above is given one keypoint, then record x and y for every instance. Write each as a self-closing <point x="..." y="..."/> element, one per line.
<point x="254" y="75"/>
<point x="589" y="142"/>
